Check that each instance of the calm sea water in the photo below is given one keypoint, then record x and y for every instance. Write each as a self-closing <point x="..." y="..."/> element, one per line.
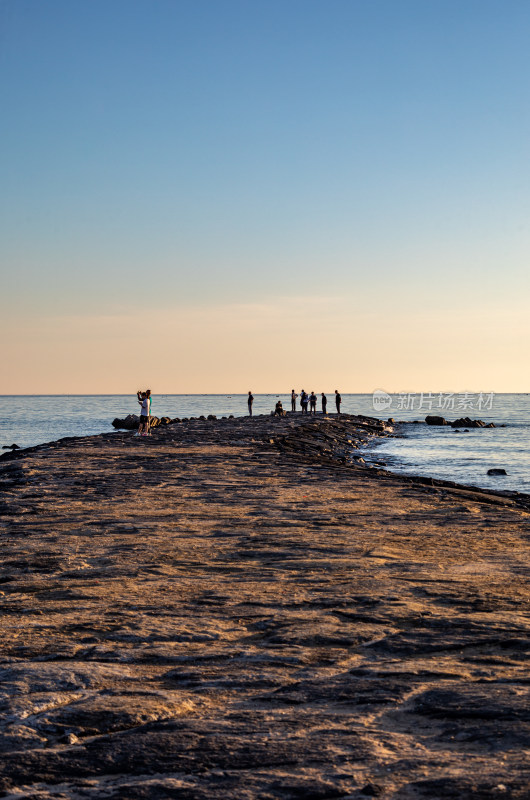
<point x="439" y="452"/>
<point x="415" y="450"/>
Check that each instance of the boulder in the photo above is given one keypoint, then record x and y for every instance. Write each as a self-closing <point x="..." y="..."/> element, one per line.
<point x="10" y="447"/>
<point x="211" y="417"/>
<point x="432" y="420"/>
<point x="466" y="422"/>
<point x="131" y="422"/>
<point x="497" y="471"/>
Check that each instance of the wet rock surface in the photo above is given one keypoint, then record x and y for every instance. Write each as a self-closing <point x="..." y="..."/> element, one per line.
<point x="466" y="422"/>
<point x="462" y="422"/>
<point x="240" y="608"/>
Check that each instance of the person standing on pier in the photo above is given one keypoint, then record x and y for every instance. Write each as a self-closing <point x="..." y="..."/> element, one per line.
<point x="250" y="401"/>
<point x="312" y="403"/>
<point x="324" y="403"/>
<point x="293" y="400"/>
<point x="338" y="400"/>
<point x="144" y="398"/>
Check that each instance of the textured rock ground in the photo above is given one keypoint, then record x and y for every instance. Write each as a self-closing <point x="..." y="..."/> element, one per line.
<point x="234" y="609"/>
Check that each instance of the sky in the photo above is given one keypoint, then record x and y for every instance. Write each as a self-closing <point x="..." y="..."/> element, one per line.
<point x="222" y="195"/>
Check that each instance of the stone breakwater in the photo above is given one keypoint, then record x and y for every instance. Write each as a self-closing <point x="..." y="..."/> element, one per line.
<point x="241" y="608"/>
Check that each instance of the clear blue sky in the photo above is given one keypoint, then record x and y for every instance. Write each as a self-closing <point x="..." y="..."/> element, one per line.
<point x="174" y="159"/>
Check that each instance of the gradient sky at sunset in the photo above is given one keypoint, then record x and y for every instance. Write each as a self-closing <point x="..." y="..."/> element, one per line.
<point x="217" y="195"/>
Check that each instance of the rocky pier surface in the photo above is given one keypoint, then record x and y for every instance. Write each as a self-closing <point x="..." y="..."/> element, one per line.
<point x="242" y="608"/>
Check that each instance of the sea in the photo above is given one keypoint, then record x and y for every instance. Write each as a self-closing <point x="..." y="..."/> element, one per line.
<point x="413" y="449"/>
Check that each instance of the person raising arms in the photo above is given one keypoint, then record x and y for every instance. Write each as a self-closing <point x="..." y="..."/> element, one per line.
<point x="144" y="398"/>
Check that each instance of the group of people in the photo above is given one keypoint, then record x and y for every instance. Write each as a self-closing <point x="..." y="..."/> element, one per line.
<point x="306" y="400"/>
<point x="311" y="401"/>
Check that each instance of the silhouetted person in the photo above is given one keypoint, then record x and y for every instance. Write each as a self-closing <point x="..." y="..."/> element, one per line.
<point x="278" y="410"/>
<point x="293" y="400"/>
<point x="324" y="403"/>
<point x="303" y="401"/>
<point x="250" y="401"/>
<point x="338" y="400"/>
<point x="313" y="403"/>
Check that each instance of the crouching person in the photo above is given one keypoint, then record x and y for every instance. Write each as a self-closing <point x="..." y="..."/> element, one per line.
<point x="278" y="410"/>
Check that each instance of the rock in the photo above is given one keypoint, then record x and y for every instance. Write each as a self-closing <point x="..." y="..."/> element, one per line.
<point x="371" y="790"/>
<point x="466" y="422"/>
<point x="130" y="422"/>
<point x="432" y="420"/>
<point x="391" y="421"/>
<point x="497" y="471"/>
<point x="10" y="447"/>
<point x="218" y="629"/>
<point x="211" y="417"/>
